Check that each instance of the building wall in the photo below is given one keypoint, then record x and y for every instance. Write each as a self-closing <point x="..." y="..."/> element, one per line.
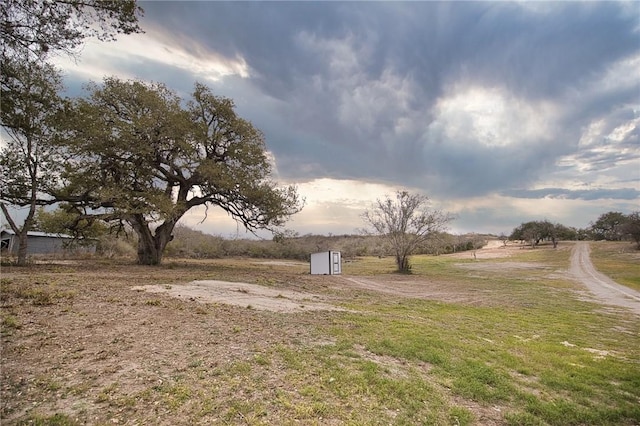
<point x="44" y="245"/>
<point x="38" y="244"/>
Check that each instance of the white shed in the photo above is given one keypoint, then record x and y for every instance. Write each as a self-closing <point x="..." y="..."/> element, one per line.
<point x="326" y="263"/>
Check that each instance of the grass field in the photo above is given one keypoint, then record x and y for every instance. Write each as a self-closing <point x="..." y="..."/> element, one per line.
<point x="617" y="260"/>
<point x="505" y="341"/>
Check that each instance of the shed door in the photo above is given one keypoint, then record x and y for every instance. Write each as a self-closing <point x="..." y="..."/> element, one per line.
<point x="336" y="263"/>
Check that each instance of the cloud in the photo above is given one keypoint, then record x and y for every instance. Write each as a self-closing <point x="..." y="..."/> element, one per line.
<point x="572" y="194"/>
<point x="506" y="101"/>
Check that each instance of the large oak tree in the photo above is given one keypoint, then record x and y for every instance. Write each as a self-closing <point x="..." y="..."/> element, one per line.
<point x="141" y="155"/>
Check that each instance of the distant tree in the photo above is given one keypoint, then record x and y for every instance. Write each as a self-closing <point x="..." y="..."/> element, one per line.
<point x="191" y="243"/>
<point x="535" y="231"/>
<point x="632" y="227"/>
<point x="549" y="231"/>
<point x="142" y="156"/>
<point x="565" y="232"/>
<point x="406" y="223"/>
<point x="609" y="226"/>
<point x="504" y="238"/>
<point x="34" y="29"/>
<point x="29" y="160"/>
<point x="284" y="235"/>
<point x="532" y="232"/>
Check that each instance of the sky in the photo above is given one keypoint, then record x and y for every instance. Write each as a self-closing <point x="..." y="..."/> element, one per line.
<point x="500" y="112"/>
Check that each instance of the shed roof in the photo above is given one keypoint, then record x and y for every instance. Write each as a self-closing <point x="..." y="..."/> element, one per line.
<point x="38" y="234"/>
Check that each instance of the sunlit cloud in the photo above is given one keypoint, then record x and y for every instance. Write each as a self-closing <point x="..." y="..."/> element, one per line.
<point x="492" y="117"/>
<point x="155" y="48"/>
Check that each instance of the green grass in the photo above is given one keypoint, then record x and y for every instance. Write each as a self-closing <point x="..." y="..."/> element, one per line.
<point x="504" y="357"/>
<point x="618" y="260"/>
<point x="9" y="323"/>
<point x="556" y="362"/>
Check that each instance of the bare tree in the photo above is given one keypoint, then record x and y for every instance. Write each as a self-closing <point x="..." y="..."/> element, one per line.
<point x="406" y="222"/>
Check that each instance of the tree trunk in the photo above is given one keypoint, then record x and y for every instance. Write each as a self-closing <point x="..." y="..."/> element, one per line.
<point x="151" y="246"/>
<point x="21" y="233"/>
<point x="148" y="253"/>
<point x="403" y="264"/>
<point x="22" y="247"/>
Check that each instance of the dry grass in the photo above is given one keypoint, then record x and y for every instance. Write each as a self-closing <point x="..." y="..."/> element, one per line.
<point x="487" y="344"/>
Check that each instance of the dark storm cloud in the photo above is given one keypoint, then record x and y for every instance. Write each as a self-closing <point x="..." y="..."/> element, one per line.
<point x="354" y="87"/>
<point x="542" y="51"/>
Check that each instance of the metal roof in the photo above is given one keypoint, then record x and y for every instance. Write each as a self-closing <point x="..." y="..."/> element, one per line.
<point x="38" y="234"/>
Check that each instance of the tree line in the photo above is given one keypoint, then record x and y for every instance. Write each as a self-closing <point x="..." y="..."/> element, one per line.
<point x="610" y="226"/>
<point x="189" y="243"/>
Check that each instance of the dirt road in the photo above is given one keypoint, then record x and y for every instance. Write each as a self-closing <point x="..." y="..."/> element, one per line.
<point x="603" y="288"/>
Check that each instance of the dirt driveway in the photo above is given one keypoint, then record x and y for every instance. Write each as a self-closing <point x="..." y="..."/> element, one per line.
<point x="600" y="288"/>
<point x="603" y="288"/>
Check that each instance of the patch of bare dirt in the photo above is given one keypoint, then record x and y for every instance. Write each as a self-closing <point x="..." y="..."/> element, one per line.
<point x="106" y="343"/>
<point x="492" y="250"/>
<point x="77" y="340"/>
<point x="247" y="295"/>
<point x="501" y="266"/>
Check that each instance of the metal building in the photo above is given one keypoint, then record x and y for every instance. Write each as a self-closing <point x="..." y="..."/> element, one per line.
<point x="326" y="263"/>
<point x="37" y="242"/>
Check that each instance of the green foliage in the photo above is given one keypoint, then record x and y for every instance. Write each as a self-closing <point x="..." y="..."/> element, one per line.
<point x="29" y="160"/>
<point x="63" y="220"/>
<point x="631" y="227"/>
<point x="536" y="231"/>
<point x="32" y="28"/>
<point x="609" y="226"/>
<point x="30" y="31"/>
<point x="142" y="158"/>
